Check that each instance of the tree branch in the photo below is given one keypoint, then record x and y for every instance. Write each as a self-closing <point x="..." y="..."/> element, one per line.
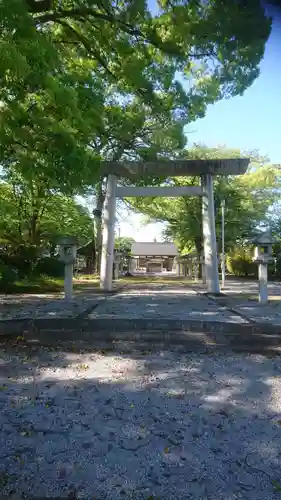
<point x="83" y="12"/>
<point x="39" y="6"/>
<point x="68" y="42"/>
<point x="87" y="45"/>
<point x="74" y="13"/>
<point x="88" y="12"/>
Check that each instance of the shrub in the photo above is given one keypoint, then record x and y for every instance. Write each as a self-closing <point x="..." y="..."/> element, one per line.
<point x="8" y="275"/>
<point x="50" y="266"/>
<point x="23" y="259"/>
<point x="240" y="263"/>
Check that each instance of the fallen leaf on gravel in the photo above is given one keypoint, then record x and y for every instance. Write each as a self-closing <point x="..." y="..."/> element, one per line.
<point x="83" y="367"/>
<point x="25" y="433"/>
<point x="277" y="486"/>
<point x="166" y="450"/>
<point x="20" y="337"/>
<point x="132" y="405"/>
<point x="3" y="387"/>
<point x="4" y="479"/>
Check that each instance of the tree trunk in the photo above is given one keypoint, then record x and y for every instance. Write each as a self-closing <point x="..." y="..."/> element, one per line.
<point x="199" y="248"/>
<point x="91" y="259"/>
<point x="90" y="265"/>
<point x="33" y="229"/>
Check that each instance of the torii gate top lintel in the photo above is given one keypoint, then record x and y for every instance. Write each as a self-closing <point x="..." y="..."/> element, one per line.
<point x="173" y="168"/>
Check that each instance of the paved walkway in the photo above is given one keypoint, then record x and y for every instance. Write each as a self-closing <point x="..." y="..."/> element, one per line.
<point x="243" y="297"/>
<point x="139" y="426"/>
<point x="171" y="301"/>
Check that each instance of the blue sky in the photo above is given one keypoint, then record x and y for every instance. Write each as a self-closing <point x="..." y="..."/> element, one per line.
<point x="251" y="121"/>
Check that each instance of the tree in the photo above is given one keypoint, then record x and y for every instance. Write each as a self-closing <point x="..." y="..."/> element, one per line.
<point x="33" y="215"/>
<point x="133" y="133"/>
<point x="142" y="51"/>
<point x="49" y="102"/>
<point x="124" y="244"/>
<point x="247" y="200"/>
<point x="64" y="60"/>
<point x="71" y="67"/>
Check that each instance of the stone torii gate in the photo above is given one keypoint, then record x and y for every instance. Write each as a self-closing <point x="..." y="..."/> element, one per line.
<point x="206" y="169"/>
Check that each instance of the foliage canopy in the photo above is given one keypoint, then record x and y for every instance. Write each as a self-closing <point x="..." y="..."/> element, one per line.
<point x="69" y="68"/>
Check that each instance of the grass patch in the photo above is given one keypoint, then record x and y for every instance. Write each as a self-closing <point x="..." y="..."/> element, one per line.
<point x="46" y="284"/>
<point x="33" y="285"/>
<point x="81" y="282"/>
<point x="93" y="278"/>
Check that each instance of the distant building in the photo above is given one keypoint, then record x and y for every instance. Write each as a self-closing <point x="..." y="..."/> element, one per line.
<point x="153" y="257"/>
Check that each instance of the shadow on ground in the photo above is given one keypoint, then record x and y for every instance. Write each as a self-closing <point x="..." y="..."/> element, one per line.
<point x="139" y="425"/>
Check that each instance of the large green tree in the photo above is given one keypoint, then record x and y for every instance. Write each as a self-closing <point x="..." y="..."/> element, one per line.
<point x="141" y="50"/>
<point x="63" y="60"/>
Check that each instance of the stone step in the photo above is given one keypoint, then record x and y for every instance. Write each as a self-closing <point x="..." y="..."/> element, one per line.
<point x="18" y="326"/>
<point x="189" y="334"/>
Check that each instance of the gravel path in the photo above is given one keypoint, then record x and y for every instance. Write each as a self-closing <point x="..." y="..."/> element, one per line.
<point x="139" y="425"/>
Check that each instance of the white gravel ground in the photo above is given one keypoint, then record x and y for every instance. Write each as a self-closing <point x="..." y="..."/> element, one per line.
<point x="45" y="306"/>
<point x="140" y="425"/>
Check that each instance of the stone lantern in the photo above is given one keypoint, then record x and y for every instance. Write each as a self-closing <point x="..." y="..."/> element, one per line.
<point x="117" y="262"/>
<point x="68" y="251"/>
<point x="262" y="256"/>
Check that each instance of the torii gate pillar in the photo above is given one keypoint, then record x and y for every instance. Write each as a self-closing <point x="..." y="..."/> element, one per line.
<point x="107" y="254"/>
<point x="209" y="234"/>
